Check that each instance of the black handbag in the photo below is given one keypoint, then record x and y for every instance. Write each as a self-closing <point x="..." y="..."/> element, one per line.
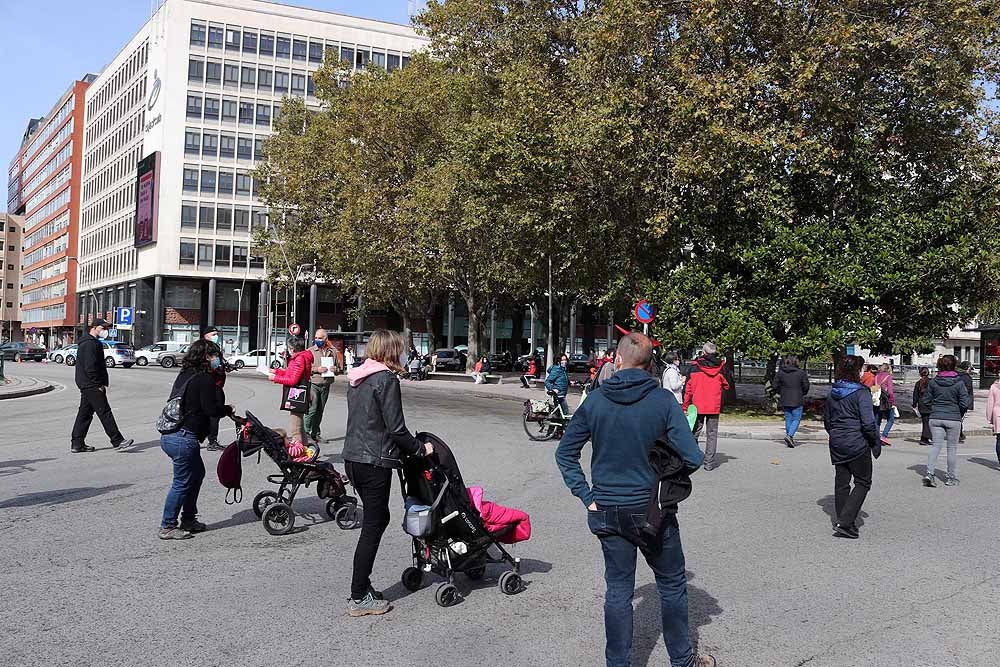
<point x="295" y="399"/>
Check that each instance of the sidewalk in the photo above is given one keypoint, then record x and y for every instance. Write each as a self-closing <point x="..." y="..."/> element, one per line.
<point x="20" y="387"/>
<point x="732" y="426"/>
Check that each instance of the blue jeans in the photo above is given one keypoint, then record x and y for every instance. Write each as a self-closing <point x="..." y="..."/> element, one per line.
<point x="189" y="471"/>
<point x="890" y="418"/>
<point x="618" y="530"/>
<point x="793" y="417"/>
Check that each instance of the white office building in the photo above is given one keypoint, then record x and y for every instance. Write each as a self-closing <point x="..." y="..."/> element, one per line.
<point x="177" y="121"/>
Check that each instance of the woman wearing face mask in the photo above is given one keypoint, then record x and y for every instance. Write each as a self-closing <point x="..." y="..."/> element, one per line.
<point x="557" y="381"/>
<point x="298" y="372"/>
<point x="202" y="401"/>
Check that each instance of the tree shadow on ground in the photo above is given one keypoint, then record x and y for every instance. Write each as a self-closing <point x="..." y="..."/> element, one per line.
<point x="648" y="628"/>
<point x="829" y="505"/>
<point x="52" y="498"/>
<point x="18" y="466"/>
<point x="992" y="465"/>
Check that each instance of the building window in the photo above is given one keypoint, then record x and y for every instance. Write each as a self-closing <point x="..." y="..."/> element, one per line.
<point x="208" y="181"/>
<point x="266" y="44"/>
<point x="265" y="77"/>
<point x="299" y="48"/>
<point x="227" y="147"/>
<point x="258" y="149"/>
<point x="259" y="219"/>
<point x="241" y="221"/>
<point x="248" y="77"/>
<point x="231" y="74"/>
<point x="225" y="182"/>
<point x="229" y="110"/>
<point x="244" y="147"/>
<point x="187" y="252"/>
<point x="222" y="255"/>
<point x="213" y="72"/>
<point x="206" y="218"/>
<point x="194" y="106"/>
<point x="256" y="262"/>
<point x="264" y="115"/>
<point x="215" y="37"/>
<point x="196" y="70"/>
<point x="392" y="62"/>
<point x="315" y="52"/>
<point x="189" y="216"/>
<point x="211" y="108"/>
<point x="209" y="144"/>
<point x="362" y="57"/>
<point x="283" y="48"/>
<point x="240" y="253"/>
<point x="378" y="59"/>
<point x="246" y="113"/>
<point x="204" y="254"/>
<point x="406" y="61"/>
<point x="280" y="81"/>
<point x="310" y="86"/>
<point x="347" y="55"/>
<point x="232" y="39"/>
<point x="197" y="34"/>
<point x="243" y="183"/>
<point x="249" y="42"/>
<point x="190" y="180"/>
<point x="192" y="142"/>
<point x="224" y="218"/>
<point x="299" y="84"/>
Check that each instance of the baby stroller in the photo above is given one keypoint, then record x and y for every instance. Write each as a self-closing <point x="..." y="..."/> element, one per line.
<point x="274" y="509"/>
<point x="448" y="532"/>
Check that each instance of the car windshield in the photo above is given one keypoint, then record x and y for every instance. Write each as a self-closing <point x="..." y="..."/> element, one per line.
<point x="445" y="354"/>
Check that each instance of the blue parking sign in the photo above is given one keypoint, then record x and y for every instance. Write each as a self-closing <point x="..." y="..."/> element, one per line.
<point x="123" y="316"/>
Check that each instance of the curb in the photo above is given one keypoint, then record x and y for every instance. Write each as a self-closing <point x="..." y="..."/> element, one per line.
<point x="40" y="387"/>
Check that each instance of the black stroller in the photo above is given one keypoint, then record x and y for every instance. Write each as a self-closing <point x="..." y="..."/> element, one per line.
<point x="274" y="509"/>
<point x="448" y="533"/>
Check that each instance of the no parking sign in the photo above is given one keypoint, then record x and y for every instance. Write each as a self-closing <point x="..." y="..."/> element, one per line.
<point x="644" y="312"/>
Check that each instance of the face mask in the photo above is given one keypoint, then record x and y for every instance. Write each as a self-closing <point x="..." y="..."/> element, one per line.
<point x="215" y="363"/>
<point x="319" y="342"/>
<point x="102" y="334"/>
<point x="211" y="339"/>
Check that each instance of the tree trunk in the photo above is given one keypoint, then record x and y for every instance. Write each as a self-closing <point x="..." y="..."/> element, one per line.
<point x="470" y="362"/>
<point x="407" y="330"/>
<point x="729" y="396"/>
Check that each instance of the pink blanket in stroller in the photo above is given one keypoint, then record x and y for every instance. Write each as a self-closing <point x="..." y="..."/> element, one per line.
<point x="514" y="524"/>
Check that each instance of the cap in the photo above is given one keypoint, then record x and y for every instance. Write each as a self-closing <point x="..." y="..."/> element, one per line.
<point x="965" y="365"/>
<point x="209" y="330"/>
<point x="100" y="322"/>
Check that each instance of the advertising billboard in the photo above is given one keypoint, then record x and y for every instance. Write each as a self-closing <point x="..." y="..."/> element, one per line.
<point x="147" y="200"/>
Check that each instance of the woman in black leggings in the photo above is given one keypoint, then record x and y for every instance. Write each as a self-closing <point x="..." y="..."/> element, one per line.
<point x="376" y="441"/>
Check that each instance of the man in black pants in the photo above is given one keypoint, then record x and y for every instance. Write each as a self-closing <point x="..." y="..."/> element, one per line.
<point x="92" y="380"/>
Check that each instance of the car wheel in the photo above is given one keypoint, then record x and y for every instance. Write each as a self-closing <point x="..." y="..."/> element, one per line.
<point x="142" y="361"/>
<point x="109" y="362"/>
<point x="70" y="361"/>
<point x="58" y="359"/>
<point x="167" y="362"/>
<point x="275" y="364"/>
<point x="239" y="365"/>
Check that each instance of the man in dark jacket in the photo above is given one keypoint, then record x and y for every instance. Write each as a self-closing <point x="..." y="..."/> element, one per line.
<point x="849" y="419"/>
<point x="965" y="373"/>
<point x="211" y="334"/>
<point x="792" y="384"/>
<point x="92" y="381"/>
<point x="622" y="420"/>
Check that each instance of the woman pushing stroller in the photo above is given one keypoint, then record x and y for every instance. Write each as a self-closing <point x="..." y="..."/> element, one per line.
<point x="376" y="442"/>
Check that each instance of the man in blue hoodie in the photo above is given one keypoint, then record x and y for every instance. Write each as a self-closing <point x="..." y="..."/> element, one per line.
<point x="623" y="419"/>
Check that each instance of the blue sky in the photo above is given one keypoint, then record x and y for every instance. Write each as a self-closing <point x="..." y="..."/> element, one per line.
<point x="46" y="44"/>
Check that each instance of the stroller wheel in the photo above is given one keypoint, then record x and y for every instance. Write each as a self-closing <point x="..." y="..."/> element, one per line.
<point x="511" y="583"/>
<point x="279" y="519"/>
<point x="447" y="595"/>
<point x="476" y="573"/>
<point x="412" y="579"/>
<point x="262" y="500"/>
<point x="348" y="516"/>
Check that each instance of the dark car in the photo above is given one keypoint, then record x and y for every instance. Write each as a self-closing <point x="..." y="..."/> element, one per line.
<point x="501" y="362"/>
<point x="22" y="352"/>
<point x="448" y="359"/>
<point x="579" y="363"/>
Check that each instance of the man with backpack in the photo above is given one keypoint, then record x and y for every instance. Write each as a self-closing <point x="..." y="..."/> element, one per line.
<point x="623" y="420"/>
<point x="92" y="380"/>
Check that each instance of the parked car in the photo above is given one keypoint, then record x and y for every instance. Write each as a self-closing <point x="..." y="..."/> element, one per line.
<point x="22" y="352"/>
<point x="253" y="359"/>
<point x="501" y="362"/>
<point x="170" y="358"/>
<point x="59" y="354"/>
<point x="151" y="353"/>
<point x="118" y="354"/>
<point x="578" y="363"/>
<point x="447" y="359"/>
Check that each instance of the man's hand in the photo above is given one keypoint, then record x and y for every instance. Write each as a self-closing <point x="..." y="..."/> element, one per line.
<point x="592" y="507"/>
<point x="428" y="449"/>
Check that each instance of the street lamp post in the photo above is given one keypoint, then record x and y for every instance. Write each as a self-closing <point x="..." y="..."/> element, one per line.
<point x="295" y="287"/>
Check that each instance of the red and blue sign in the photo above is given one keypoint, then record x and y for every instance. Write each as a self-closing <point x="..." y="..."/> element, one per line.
<point x="644" y="311"/>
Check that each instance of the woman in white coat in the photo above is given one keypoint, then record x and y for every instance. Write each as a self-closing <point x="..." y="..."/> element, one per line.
<point x="673" y="381"/>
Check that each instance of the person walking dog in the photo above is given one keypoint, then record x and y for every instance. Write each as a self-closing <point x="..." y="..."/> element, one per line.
<point x="91" y="376"/>
<point x="623" y="419"/>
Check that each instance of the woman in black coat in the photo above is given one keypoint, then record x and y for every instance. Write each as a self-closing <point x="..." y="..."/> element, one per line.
<point x="792" y="384"/>
<point x="849" y="419"/>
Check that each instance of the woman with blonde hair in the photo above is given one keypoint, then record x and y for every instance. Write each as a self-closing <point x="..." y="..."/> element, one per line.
<point x="376" y="441"/>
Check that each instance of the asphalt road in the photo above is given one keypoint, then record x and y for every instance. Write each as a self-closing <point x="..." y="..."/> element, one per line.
<point x="84" y="580"/>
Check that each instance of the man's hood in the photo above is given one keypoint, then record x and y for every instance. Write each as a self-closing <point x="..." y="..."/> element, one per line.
<point x="842" y="389"/>
<point x="789" y="369"/>
<point x="710" y="364"/>
<point x="628" y="386"/>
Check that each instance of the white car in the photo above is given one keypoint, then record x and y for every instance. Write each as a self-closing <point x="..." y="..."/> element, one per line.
<point x="254" y="359"/>
<point x="151" y="353"/>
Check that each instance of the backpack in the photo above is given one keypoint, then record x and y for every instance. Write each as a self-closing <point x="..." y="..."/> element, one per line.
<point x="230" y="471"/>
<point x="172" y="415"/>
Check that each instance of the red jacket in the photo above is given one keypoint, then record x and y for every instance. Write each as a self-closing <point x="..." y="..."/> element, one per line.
<point x="298" y="372"/>
<point x="704" y="388"/>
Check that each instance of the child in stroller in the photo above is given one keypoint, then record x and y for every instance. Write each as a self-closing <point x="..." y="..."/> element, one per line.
<point x="449" y="532"/>
<point x="274" y="508"/>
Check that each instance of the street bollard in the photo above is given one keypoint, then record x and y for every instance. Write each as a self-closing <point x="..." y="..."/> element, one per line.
<point x="2" y="377"/>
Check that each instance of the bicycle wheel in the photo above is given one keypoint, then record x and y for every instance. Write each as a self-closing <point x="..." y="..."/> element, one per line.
<point x="537" y="431"/>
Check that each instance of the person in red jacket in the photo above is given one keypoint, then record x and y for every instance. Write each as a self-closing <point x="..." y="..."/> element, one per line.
<point x="704" y="389"/>
<point x="299" y="371"/>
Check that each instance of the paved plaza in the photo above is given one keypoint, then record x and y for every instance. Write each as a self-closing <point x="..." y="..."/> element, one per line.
<point x="85" y="581"/>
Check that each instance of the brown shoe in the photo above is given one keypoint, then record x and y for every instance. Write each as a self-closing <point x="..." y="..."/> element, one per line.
<point x="704" y="661"/>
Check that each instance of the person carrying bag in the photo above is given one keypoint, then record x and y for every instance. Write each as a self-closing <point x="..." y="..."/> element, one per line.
<point x="295" y="387"/>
